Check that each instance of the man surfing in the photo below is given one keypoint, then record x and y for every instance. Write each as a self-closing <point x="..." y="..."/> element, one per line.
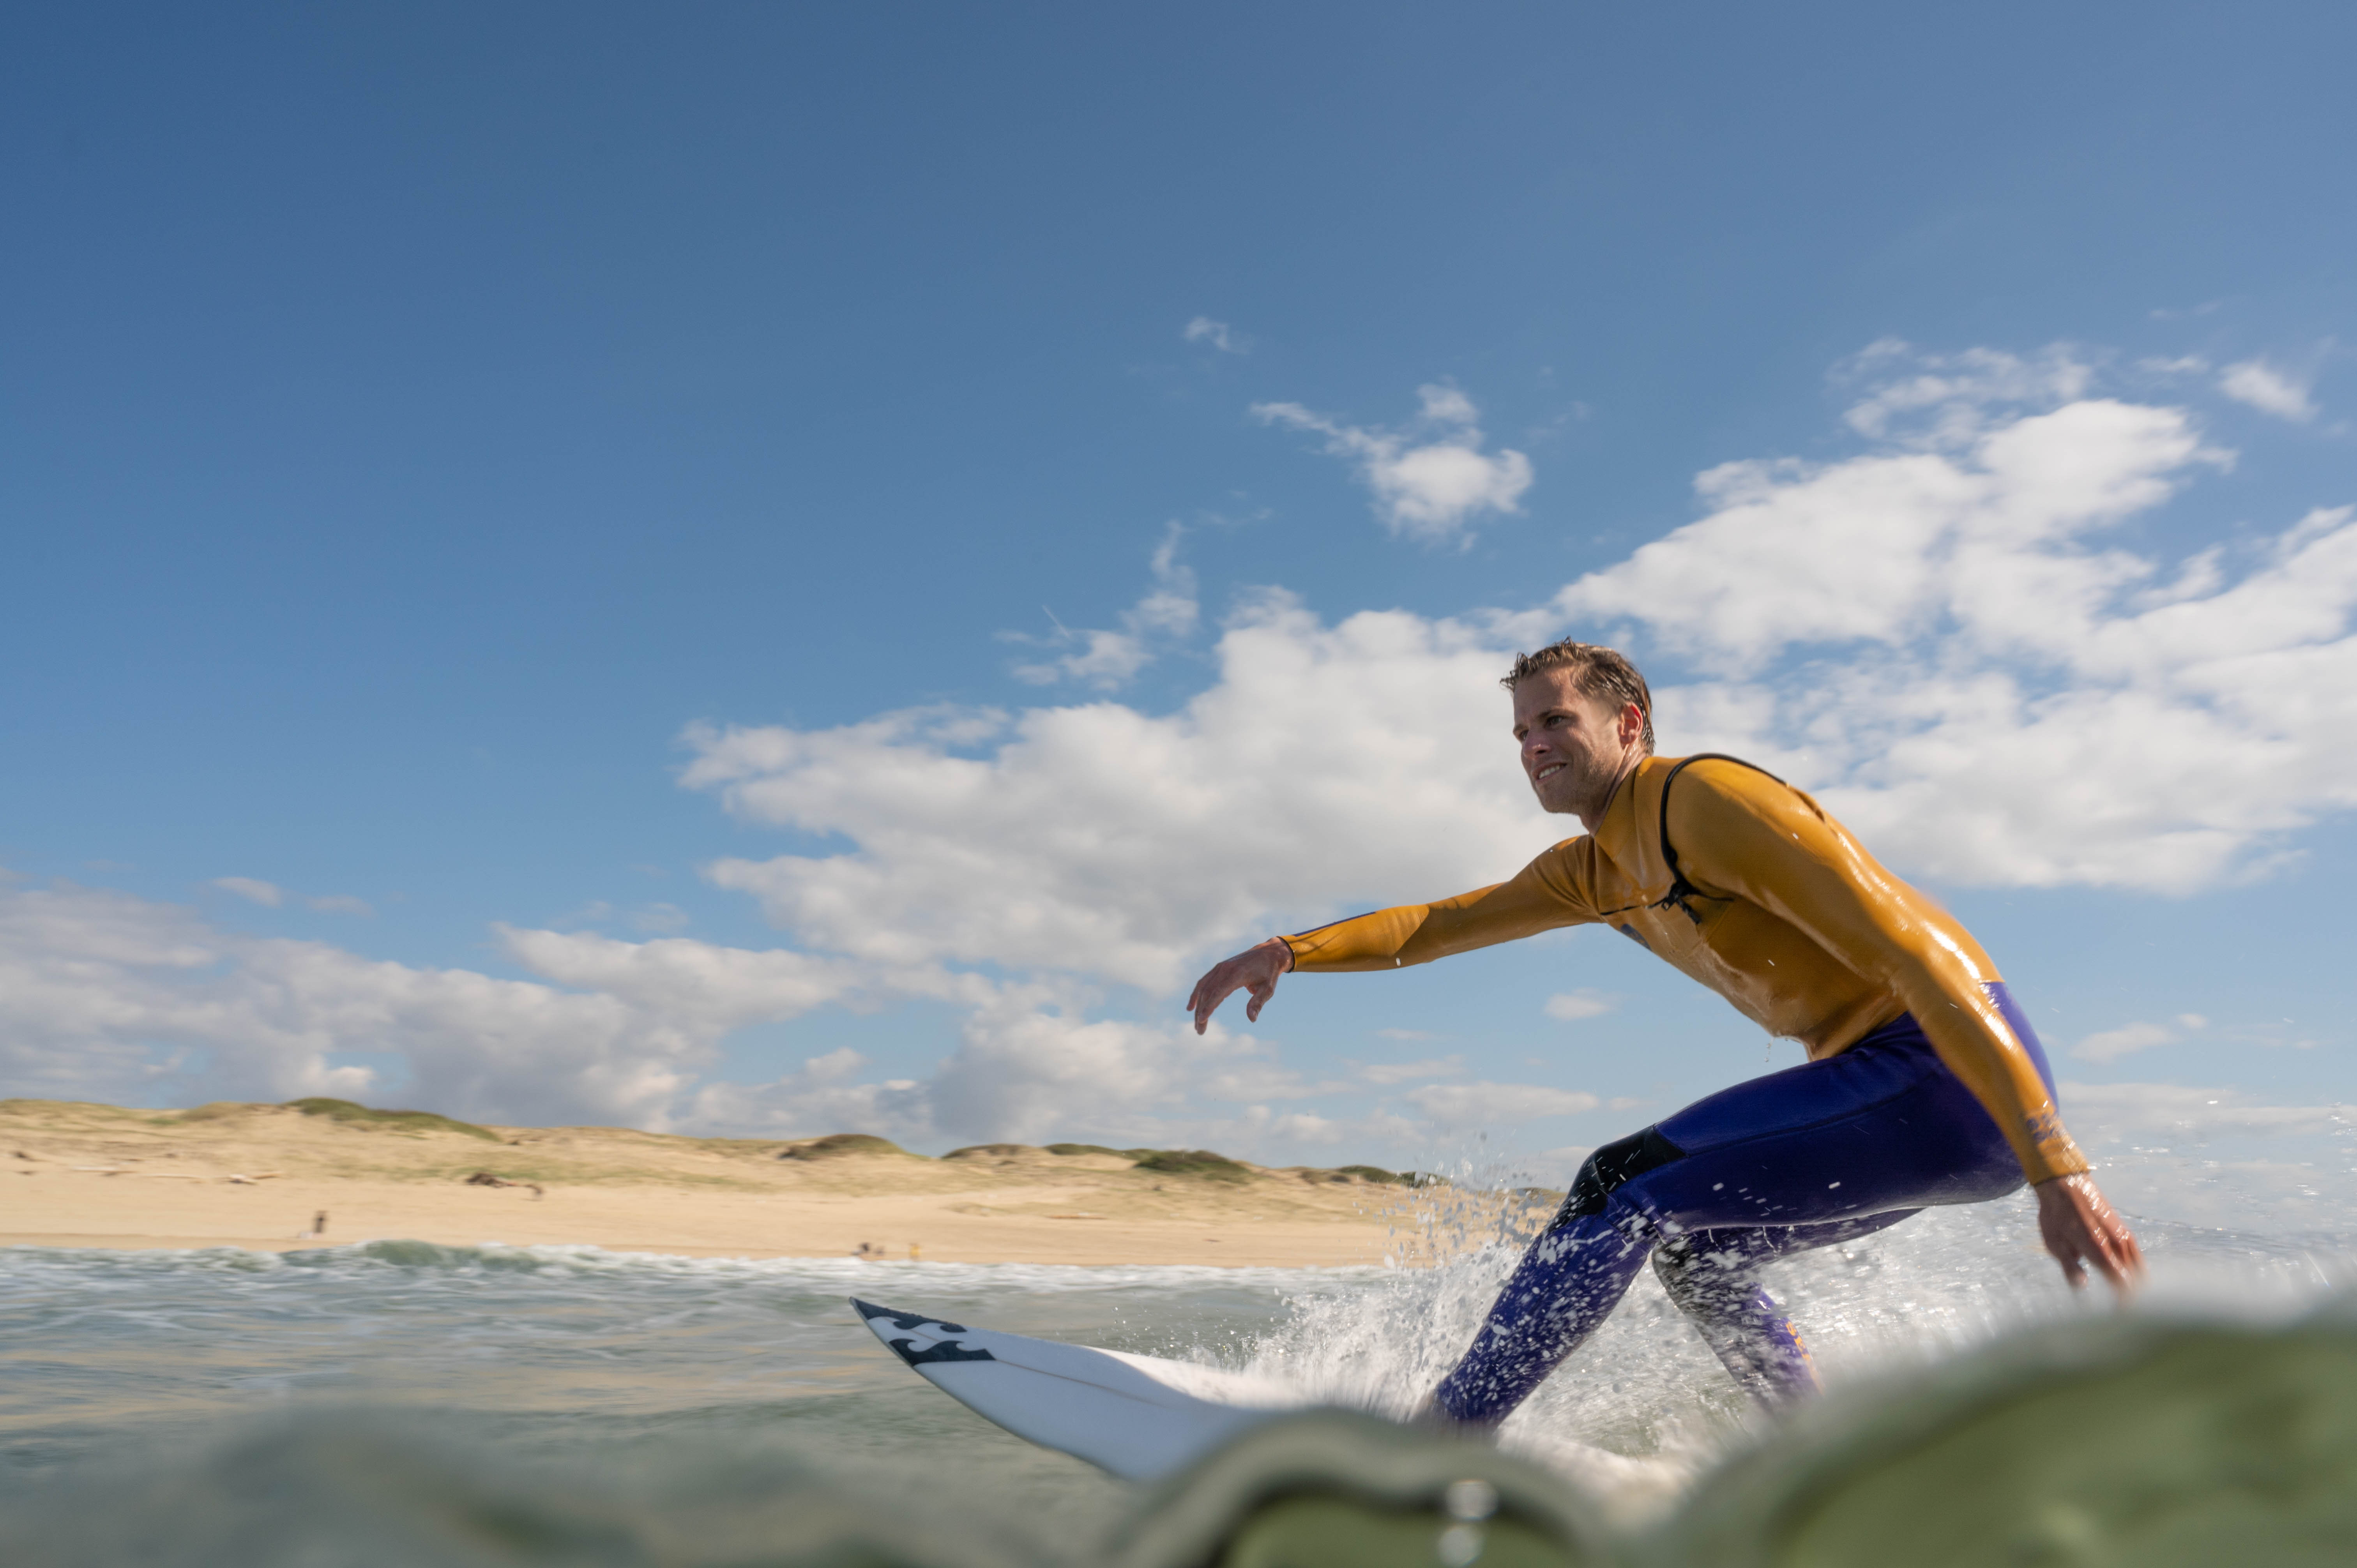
<point x="1924" y="1085"/>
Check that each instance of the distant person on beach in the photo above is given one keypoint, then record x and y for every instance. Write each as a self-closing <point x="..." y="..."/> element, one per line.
<point x="1924" y="1085"/>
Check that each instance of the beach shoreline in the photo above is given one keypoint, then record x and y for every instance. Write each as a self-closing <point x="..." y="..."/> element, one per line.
<point x="259" y="1178"/>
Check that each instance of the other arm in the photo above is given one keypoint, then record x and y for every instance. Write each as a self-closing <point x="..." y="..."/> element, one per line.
<point x="1770" y="845"/>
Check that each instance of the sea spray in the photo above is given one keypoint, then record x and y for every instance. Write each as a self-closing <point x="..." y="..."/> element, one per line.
<point x="1642" y="1407"/>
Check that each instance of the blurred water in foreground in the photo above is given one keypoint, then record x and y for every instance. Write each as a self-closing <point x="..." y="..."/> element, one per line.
<point x="400" y="1402"/>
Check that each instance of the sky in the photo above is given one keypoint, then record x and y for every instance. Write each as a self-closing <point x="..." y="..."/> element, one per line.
<point x="773" y="571"/>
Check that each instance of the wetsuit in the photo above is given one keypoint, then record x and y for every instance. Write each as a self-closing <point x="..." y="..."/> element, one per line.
<point x="1924" y="1084"/>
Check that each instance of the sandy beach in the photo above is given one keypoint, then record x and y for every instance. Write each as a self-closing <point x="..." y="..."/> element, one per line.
<point x="80" y="1175"/>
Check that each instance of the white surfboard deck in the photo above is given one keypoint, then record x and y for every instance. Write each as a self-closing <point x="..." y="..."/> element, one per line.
<point x="1140" y="1417"/>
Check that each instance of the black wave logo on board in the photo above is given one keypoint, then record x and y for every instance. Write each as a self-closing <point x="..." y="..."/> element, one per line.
<point x="907" y="1350"/>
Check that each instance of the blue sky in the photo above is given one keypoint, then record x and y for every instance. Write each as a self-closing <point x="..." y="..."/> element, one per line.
<point x="481" y="483"/>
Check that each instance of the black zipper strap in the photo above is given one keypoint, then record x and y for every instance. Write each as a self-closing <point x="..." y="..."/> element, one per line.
<point x="1680" y="889"/>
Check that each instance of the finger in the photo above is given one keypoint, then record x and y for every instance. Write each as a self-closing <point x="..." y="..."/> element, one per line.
<point x="2120" y="1253"/>
<point x="2065" y="1251"/>
<point x="2134" y="1251"/>
<point x="2106" y="1242"/>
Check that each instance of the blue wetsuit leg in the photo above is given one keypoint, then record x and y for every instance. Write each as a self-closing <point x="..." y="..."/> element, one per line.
<point x="1803" y="1158"/>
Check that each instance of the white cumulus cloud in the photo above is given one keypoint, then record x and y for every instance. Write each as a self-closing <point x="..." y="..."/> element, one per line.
<point x="1951" y="635"/>
<point x="1431" y="478"/>
<point x="103" y="993"/>
<point x="1942" y="636"/>
<point x="1326" y="763"/>
<point x="1944" y="643"/>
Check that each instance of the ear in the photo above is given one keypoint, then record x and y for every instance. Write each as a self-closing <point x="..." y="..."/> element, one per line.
<point x="1632" y="723"/>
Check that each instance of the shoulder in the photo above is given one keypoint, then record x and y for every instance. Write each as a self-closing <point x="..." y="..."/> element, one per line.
<point x="1710" y="777"/>
<point x="1717" y="796"/>
<point x="1568" y="871"/>
<point x="1571" y="858"/>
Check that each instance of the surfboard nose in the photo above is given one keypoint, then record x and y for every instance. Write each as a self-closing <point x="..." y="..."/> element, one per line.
<point x="903" y="1320"/>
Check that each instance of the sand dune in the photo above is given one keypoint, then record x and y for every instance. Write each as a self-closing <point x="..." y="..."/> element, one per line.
<point x="74" y="1174"/>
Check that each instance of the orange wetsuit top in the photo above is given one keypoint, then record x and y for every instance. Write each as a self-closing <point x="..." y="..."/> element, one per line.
<point x="1789" y="919"/>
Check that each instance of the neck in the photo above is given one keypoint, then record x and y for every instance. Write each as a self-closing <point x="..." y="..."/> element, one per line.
<point x="1592" y="815"/>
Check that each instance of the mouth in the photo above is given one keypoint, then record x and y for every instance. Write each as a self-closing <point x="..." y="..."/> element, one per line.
<point x="1549" y="771"/>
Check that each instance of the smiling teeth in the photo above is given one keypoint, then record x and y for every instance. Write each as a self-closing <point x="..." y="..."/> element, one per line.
<point x="1551" y="769"/>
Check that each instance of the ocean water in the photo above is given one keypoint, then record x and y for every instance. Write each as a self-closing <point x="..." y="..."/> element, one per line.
<point x="183" y="1406"/>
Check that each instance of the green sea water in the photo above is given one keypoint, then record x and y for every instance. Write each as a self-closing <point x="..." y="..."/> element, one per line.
<point x="396" y="1403"/>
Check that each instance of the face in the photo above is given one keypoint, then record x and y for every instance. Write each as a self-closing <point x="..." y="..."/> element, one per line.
<point x="1575" y="747"/>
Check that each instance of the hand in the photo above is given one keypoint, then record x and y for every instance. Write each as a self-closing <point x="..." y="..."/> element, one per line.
<point x="1255" y="970"/>
<point x="2079" y="1228"/>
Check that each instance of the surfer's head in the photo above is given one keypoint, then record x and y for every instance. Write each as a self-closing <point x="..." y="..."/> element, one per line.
<point x="1584" y="718"/>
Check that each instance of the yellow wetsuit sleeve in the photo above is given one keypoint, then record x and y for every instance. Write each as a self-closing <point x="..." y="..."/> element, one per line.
<point x="1739" y="832"/>
<point x="1545" y="894"/>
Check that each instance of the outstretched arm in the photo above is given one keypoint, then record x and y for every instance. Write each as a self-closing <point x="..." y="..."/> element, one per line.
<point x="1549" y="892"/>
<point x="1255" y="970"/>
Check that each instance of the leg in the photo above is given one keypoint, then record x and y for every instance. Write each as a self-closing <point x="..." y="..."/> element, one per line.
<point x="1713" y="1276"/>
<point x="1811" y="1152"/>
<point x="1567" y="1283"/>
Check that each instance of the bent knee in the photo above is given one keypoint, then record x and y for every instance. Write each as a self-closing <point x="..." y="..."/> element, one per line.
<point x="1612" y="1167"/>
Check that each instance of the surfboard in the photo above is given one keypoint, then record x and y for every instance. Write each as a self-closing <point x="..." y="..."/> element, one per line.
<point x="1141" y="1417"/>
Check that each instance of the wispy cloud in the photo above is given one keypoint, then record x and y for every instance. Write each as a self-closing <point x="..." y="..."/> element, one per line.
<point x="1431" y="478"/>
<point x="1948" y="399"/>
<point x="1387" y="1073"/>
<point x="2114" y="1110"/>
<point x="341" y="904"/>
<point x="253" y="889"/>
<point x="2268" y="390"/>
<point x="1108" y="659"/>
<point x="2111" y="1044"/>
<point x="1463" y="1107"/>
<point x="1570" y="1006"/>
<point x="1218" y="334"/>
<point x="272" y="896"/>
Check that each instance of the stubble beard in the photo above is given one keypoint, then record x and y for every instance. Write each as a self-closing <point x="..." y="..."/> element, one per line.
<point x="1558" y="795"/>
